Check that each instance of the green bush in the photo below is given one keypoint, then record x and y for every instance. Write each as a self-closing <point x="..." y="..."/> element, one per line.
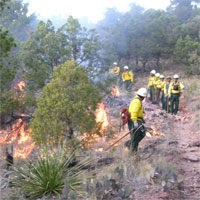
<point x="50" y="174"/>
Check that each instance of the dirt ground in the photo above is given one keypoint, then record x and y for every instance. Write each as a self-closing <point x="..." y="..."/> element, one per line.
<point x="181" y="145"/>
<point x="183" y="151"/>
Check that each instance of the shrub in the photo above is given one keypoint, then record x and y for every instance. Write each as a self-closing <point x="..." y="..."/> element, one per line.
<point x="49" y="174"/>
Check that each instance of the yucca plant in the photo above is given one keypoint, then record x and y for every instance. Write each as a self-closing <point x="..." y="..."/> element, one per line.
<point x="49" y="173"/>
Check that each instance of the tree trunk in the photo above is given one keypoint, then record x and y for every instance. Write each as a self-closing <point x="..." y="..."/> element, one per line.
<point x="136" y="60"/>
<point x="144" y="65"/>
<point x="158" y="60"/>
<point x="70" y="133"/>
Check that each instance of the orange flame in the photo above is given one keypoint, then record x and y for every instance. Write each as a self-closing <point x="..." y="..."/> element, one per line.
<point x="99" y="150"/>
<point x="115" y="92"/>
<point x="20" y="87"/>
<point x="154" y="133"/>
<point x="101" y="116"/>
<point x="18" y="136"/>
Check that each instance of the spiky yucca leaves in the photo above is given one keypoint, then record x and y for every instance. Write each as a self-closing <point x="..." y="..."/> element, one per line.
<point x="49" y="173"/>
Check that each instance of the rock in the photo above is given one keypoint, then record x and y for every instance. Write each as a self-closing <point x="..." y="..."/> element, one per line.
<point x="195" y="144"/>
<point x="163" y="195"/>
<point x="191" y="158"/>
<point x="172" y="142"/>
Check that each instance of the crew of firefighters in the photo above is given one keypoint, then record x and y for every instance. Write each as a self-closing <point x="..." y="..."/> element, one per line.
<point x="160" y="89"/>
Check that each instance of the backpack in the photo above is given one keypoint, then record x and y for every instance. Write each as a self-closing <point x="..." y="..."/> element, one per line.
<point x="175" y="87"/>
<point x="125" y="116"/>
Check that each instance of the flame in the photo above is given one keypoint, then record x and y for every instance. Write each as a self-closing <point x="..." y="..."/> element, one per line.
<point x="101" y="116"/>
<point x="18" y="136"/>
<point x="154" y="133"/>
<point x="115" y="92"/>
<point x="20" y="87"/>
<point x="99" y="150"/>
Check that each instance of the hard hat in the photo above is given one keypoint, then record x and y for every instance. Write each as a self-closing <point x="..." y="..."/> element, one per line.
<point x="161" y="76"/>
<point x="153" y="71"/>
<point x="176" y="76"/>
<point x="168" y="77"/>
<point x="142" y="92"/>
<point x="115" y="63"/>
<point x="157" y="75"/>
<point x="125" y="67"/>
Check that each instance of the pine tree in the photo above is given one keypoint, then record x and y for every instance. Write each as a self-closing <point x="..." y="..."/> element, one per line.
<point x="66" y="104"/>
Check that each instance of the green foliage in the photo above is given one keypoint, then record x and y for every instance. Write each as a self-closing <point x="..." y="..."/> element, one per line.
<point x="15" y="19"/>
<point x="7" y="73"/>
<point x="78" y="43"/>
<point x="50" y="174"/>
<point x="66" y="104"/>
<point x="183" y="8"/>
<point x="194" y="63"/>
<point x="46" y="49"/>
<point x="40" y="54"/>
<point x="183" y="48"/>
<point x="3" y="4"/>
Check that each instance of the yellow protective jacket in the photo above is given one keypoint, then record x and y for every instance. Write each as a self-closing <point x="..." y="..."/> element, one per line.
<point x="135" y="109"/>
<point x="166" y="87"/>
<point x="162" y="85"/>
<point x="151" y="81"/>
<point x="172" y="89"/>
<point x="158" y="83"/>
<point x="126" y="76"/>
<point x="116" y="70"/>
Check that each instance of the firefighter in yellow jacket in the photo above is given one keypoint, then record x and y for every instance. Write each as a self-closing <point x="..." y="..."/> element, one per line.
<point x="150" y="85"/>
<point x="174" y="93"/>
<point x="136" y="119"/>
<point x="162" y="79"/>
<point x="158" y="86"/>
<point x="116" y="69"/>
<point x="166" y="90"/>
<point x="127" y="77"/>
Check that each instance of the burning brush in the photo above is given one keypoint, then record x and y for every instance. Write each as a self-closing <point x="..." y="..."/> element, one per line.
<point x="115" y="92"/>
<point x="152" y="132"/>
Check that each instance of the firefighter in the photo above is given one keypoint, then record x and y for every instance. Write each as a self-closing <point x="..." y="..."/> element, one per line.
<point x="166" y="97"/>
<point x="127" y="77"/>
<point x="150" y="85"/>
<point x="116" y="69"/>
<point x="157" y="88"/>
<point x="162" y="79"/>
<point x="175" y="89"/>
<point x="136" y="119"/>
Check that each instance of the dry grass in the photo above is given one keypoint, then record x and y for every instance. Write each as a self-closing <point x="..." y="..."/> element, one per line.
<point x="192" y="94"/>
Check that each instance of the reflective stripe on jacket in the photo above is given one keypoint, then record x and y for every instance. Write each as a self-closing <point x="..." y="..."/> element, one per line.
<point x="172" y="87"/>
<point x="136" y="110"/>
<point x="126" y="76"/>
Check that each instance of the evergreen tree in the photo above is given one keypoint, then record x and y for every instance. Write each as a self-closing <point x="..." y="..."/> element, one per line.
<point x="183" y="48"/>
<point x="66" y="104"/>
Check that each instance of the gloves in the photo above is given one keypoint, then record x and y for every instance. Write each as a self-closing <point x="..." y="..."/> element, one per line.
<point x="135" y="124"/>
